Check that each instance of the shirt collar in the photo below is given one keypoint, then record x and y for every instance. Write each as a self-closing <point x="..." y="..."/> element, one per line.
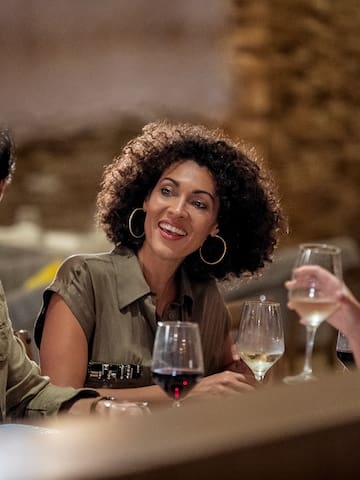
<point x="131" y="284"/>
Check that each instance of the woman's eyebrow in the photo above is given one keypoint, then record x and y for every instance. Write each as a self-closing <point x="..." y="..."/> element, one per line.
<point x="171" y="180"/>
<point x="177" y="184"/>
<point x="206" y="193"/>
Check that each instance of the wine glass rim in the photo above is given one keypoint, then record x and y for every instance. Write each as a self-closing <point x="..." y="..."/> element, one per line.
<point x="321" y="246"/>
<point x="175" y="323"/>
<point x="261" y="302"/>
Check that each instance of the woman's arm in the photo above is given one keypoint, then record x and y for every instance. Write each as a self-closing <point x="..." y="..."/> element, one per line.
<point x="64" y="347"/>
<point x="64" y="356"/>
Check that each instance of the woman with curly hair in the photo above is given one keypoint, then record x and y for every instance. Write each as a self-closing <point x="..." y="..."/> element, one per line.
<point x="184" y="206"/>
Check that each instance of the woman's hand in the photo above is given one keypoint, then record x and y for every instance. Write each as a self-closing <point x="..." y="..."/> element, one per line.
<point x="347" y="317"/>
<point x="223" y="383"/>
<point x="326" y="280"/>
<point x="329" y="283"/>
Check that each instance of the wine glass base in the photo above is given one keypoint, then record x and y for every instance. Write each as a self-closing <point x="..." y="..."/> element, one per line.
<point x="300" y="378"/>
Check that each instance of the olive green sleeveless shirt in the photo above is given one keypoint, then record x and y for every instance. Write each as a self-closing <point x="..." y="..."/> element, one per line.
<point x="110" y="298"/>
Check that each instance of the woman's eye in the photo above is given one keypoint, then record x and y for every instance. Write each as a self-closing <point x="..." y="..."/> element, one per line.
<point x="165" y="191"/>
<point x="199" y="204"/>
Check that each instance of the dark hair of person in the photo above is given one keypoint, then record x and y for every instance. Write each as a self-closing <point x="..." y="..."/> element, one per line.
<point x="7" y="155"/>
<point x="250" y="218"/>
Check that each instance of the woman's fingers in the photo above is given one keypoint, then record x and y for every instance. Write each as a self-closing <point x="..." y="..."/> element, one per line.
<point x="224" y="383"/>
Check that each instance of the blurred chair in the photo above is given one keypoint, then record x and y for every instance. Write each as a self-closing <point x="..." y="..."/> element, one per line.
<point x="18" y="264"/>
<point x="24" y="302"/>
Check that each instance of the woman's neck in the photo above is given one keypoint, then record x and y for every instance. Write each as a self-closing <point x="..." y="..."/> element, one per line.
<point x="161" y="278"/>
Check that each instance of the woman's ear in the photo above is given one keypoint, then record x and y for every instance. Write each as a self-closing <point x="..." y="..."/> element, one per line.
<point x="145" y="202"/>
<point x="215" y="230"/>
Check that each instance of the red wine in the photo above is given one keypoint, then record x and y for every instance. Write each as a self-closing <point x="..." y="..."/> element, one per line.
<point x="346" y="358"/>
<point x="176" y="384"/>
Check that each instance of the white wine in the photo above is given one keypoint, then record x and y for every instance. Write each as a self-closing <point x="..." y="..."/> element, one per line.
<point x="314" y="310"/>
<point x="260" y="362"/>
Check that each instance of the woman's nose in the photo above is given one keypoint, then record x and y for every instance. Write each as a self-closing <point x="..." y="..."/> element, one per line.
<point x="178" y="207"/>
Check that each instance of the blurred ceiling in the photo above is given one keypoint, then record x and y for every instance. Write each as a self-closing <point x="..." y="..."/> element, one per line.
<point x="76" y="63"/>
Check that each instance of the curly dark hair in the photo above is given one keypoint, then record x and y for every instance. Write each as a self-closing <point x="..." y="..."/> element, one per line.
<point x="249" y="219"/>
<point x="7" y="155"/>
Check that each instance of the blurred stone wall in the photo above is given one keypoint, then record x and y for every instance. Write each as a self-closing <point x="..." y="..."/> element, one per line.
<point x="296" y="69"/>
<point x="57" y="177"/>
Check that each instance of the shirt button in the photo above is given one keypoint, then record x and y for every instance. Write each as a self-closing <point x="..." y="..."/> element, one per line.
<point x="172" y="315"/>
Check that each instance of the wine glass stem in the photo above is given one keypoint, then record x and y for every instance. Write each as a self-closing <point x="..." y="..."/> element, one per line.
<point x="310" y="337"/>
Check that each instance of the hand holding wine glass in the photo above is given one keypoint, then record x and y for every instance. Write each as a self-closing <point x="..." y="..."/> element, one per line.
<point x="314" y="297"/>
<point x="177" y="361"/>
<point x="260" y="341"/>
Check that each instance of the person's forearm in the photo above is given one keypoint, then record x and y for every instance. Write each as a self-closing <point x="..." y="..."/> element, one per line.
<point x="152" y="394"/>
<point x="79" y="407"/>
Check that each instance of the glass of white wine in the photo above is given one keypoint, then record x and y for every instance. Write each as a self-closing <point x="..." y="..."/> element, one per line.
<point x="313" y="299"/>
<point x="260" y="341"/>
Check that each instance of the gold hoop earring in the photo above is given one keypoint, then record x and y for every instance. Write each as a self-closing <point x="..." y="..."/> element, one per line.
<point x="221" y="257"/>
<point x="130" y="223"/>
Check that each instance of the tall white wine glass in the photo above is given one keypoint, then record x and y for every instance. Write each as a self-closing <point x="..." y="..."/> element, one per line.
<point x="313" y="299"/>
<point x="260" y="341"/>
<point x="177" y="360"/>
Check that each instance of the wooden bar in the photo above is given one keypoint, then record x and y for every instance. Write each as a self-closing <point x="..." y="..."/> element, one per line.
<point x="307" y="431"/>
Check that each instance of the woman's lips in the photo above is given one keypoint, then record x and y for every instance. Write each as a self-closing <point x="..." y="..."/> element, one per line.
<point x="170" y="231"/>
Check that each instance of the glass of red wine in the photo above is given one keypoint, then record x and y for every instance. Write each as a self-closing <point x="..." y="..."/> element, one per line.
<point x="177" y="360"/>
<point x="344" y="353"/>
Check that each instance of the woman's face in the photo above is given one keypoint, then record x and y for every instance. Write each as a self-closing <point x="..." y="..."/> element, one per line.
<point x="181" y="211"/>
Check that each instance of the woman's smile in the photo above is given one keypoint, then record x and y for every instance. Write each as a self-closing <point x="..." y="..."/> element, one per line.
<point x="171" y="232"/>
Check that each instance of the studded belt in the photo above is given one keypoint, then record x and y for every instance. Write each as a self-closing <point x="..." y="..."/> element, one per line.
<point x="111" y="375"/>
